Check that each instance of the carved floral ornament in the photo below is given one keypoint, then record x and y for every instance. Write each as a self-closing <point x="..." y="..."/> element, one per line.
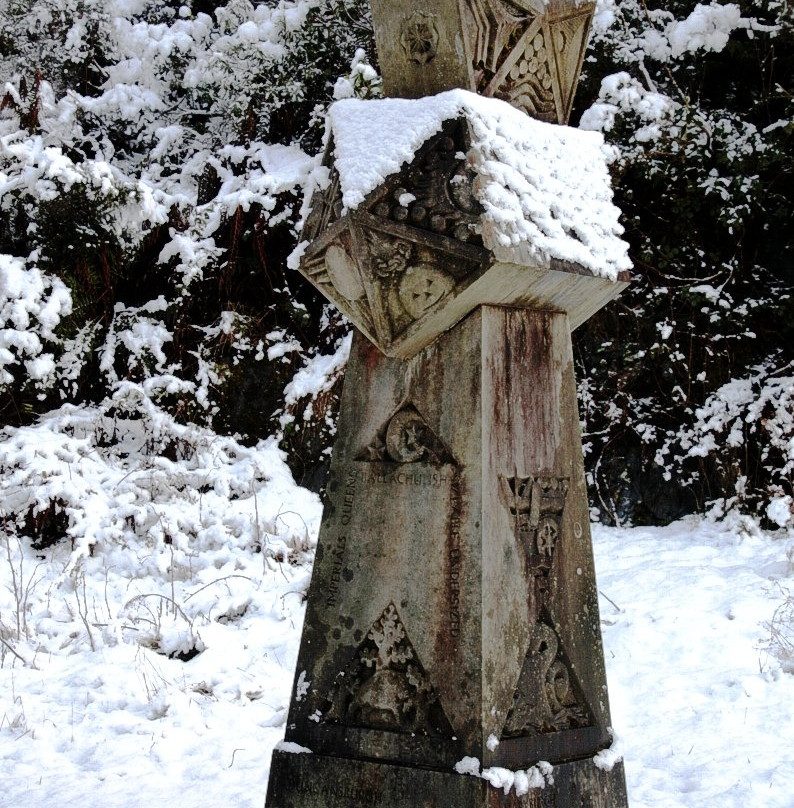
<point x="419" y="37"/>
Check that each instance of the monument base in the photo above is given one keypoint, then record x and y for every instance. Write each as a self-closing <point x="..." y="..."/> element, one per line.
<point x="321" y="781"/>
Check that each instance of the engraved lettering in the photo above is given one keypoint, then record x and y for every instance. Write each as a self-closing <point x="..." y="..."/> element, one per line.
<point x="348" y="497"/>
<point x="454" y="556"/>
<point x="337" y="553"/>
<point x="321" y="787"/>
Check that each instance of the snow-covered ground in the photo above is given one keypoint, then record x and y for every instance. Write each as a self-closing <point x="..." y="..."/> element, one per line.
<point x="100" y="715"/>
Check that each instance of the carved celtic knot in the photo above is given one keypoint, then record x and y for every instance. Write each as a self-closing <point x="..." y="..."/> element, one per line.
<point x="389" y="256"/>
<point x="419" y="37"/>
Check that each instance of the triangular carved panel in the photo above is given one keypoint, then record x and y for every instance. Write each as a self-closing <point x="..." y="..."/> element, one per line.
<point x="406" y="438"/>
<point x="547" y="697"/>
<point x="568" y="43"/>
<point x="407" y="274"/>
<point x="385" y="686"/>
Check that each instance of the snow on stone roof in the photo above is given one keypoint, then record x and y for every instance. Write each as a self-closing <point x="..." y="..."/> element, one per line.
<point x="544" y="188"/>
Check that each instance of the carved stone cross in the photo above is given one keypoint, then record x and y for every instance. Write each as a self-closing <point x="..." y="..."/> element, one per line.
<point x="452" y="637"/>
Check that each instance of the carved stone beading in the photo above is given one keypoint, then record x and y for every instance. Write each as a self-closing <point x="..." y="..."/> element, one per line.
<point x="435" y="192"/>
<point x="385" y="686"/>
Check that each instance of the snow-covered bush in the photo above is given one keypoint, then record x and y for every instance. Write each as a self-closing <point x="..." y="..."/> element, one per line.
<point x="684" y="379"/>
<point x="182" y="517"/>
<point x="152" y="161"/>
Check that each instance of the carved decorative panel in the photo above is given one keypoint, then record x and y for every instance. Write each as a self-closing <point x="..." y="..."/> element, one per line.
<point x="536" y="505"/>
<point x="385" y="686"/>
<point x="406" y="438"/>
<point x="435" y="192"/>
<point x="530" y="61"/>
<point x="547" y="697"/>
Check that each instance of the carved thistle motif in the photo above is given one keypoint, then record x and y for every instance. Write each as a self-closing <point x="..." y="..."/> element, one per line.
<point x="435" y="192"/>
<point x="547" y="697"/>
<point x="419" y="37"/>
<point x="385" y="686"/>
<point x="406" y="438"/>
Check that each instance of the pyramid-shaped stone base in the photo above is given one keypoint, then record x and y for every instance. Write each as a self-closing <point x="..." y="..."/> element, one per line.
<point x="453" y="606"/>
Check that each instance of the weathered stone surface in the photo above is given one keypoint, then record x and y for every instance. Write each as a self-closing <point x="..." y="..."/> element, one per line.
<point x="453" y="596"/>
<point x="526" y="52"/>
<point x="321" y="781"/>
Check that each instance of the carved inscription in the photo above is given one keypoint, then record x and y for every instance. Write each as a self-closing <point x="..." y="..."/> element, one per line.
<point x="454" y="556"/>
<point x="347" y="498"/>
<point x="385" y="686"/>
<point x="406" y="438"/>
<point x="352" y="792"/>
<point x="426" y="479"/>
<point x="337" y="567"/>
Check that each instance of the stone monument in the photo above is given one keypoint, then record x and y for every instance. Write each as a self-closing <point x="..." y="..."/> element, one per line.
<point x="451" y="653"/>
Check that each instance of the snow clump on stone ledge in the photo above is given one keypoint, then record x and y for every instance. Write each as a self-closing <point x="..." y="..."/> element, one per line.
<point x="544" y="188"/>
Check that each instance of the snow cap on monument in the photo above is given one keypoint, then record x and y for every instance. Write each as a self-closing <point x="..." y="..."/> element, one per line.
<point x="428" y="208"/>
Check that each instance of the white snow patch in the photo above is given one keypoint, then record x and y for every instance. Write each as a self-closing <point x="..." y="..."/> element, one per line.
<point x="535" y="195"/>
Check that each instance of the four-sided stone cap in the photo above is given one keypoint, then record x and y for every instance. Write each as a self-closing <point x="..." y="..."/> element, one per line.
<point x="425" y="209"/>
<point x="526" y="52"/>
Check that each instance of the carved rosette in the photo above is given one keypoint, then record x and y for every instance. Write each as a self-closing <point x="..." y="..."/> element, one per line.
<point x="385" y="686"/>
<point x="419" y="37"/>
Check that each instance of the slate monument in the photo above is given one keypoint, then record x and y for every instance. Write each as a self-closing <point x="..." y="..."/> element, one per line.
<point x="451" y="655"/>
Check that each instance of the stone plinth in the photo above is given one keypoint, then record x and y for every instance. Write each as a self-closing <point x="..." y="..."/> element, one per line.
<point x="453" y="606"/>
<point x="526" y="52"/>
<point x="319" y="781"/>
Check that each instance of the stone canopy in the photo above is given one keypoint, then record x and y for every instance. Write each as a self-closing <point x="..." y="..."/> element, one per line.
<point x="462" y="201"/>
